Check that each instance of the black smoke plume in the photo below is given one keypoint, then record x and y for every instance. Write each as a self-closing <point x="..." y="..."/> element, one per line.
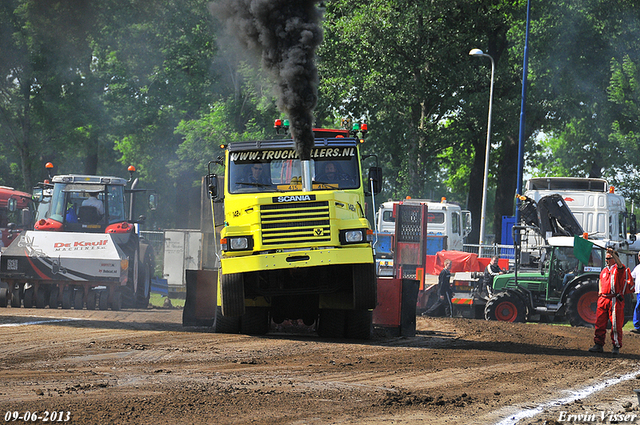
<point x="285" y="35"/>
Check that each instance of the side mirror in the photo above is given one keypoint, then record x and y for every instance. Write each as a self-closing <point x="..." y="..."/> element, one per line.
<point x="633" y="226"/>
<point x="212" y="184"/>
<point x="37" y="194"/>
<point x="12" y="204"/>
<point x="466" y="223"/>
<point x="375" y="175"/>
<point x="153" y="202"/>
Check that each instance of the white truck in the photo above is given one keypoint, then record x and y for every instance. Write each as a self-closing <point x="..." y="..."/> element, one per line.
<point x="444" y="219"/>
<point x="597" y="208"/>
<point x="447" y="226"/>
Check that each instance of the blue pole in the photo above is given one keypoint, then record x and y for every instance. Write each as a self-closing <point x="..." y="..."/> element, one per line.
<point x="525" y="66"/>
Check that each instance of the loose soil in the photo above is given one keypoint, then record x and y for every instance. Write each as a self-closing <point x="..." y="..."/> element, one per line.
<point x="143" y="367"/>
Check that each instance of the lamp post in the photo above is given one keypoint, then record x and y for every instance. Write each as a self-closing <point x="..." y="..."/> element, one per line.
<point x="478" y="52"/>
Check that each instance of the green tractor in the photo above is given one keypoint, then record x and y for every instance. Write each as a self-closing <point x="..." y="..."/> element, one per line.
<point x="561" y="287"/>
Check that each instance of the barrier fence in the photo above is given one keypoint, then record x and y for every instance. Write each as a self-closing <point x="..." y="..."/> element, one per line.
<point x="502" y="251"/>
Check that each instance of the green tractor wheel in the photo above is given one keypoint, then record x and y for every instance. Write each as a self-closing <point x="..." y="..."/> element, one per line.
<point x="505" y="307"/>
<point x="582" y="302"/>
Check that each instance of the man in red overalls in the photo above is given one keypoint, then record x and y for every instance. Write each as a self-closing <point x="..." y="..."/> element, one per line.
<point x="615" y="282"/>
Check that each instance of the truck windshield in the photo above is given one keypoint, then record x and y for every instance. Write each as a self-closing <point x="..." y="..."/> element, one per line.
<point x="278" y="174"/>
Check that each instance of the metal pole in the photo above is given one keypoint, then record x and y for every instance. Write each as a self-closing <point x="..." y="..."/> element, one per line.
<point x="522" y="113"/>
<point x="486" y="163"/>
<point x="478" y="52"/>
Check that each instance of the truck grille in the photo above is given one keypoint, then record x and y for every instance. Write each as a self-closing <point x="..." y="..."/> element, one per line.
<point x="298" y="222"/>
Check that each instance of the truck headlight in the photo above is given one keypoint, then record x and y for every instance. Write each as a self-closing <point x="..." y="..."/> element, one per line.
<point x="352" y="236"/>
<point x="236" y="243"/>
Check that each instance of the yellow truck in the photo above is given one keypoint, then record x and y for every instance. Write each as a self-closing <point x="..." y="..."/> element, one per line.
<point x="294" y="242"/>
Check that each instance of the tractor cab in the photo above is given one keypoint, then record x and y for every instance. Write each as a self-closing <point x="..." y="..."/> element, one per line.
<point x="91" y="204"/>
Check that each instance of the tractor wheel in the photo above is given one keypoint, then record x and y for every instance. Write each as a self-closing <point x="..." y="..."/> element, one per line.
<point x="224" y="324"/>
<point x="4" y="293"/>
<point x="359" y="324"/>
<point x="15" y="297"/>
<point x="41" y="298"/>
<point x="364" y="286"/>
<point x="232" y="294"/>
<point x="28" y="297"/>
<point x="255" y="321"/>
<point x="67" y="298"/>
<point x="331" y="323"/>
<point x="582" y="303"/>
<point x="78" y="298"/>
<point x="92" y="299"/>
<point x="54" y="302"/>
<point x="505" y="307"/>
<point x="145" y="271"/>
<point x="103" y="301"/>
<point x="116" y="302"/>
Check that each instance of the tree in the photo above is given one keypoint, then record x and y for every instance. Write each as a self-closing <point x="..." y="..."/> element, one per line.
<point x="576" y="45"/>
<point x="404" y="66"/>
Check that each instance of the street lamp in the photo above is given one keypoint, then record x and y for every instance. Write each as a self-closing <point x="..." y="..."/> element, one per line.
<point x="478" y="52"/>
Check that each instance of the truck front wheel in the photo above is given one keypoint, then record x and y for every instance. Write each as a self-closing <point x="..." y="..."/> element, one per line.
<point x="232" y="294"/>
<point x="255" y="321"/>
<point x="505" y="307"/>
<point x="224" y="324"/>
<point x="331" y="323"/>
<point x="359" y="323"/>
<point x="364" y="286"/>
<point x="582" y="303"/>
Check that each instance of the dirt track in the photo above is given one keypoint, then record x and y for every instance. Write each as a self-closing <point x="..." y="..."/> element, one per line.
<point x="142" y="367"/>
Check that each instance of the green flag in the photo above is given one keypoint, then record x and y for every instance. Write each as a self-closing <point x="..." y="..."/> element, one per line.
<point x="582" y="249"/>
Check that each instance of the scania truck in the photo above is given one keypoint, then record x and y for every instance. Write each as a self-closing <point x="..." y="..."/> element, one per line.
<point x="294" y="241"/>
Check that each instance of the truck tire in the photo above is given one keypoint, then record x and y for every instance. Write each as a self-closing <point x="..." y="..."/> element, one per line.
<point x="232" y="294"/>
<point x="505" y="307"/>
<point x="359" y="324"/>
<point x="582" y="302"/>
<point x="331" y="323"/>
<point x="365" y="286"/>
<point x="255" y="321"/>
<point x="224" y="324"/>
<point x="28" y="297"/>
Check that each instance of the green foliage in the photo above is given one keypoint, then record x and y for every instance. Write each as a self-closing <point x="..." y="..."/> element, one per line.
<point x="203" y="137"/>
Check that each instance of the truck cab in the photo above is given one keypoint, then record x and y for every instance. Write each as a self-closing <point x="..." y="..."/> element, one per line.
<point x="289" y="252"/>
<point x="596" y="207"/>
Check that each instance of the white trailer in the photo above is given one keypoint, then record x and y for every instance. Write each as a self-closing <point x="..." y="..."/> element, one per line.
<point x="182" y="251"/>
